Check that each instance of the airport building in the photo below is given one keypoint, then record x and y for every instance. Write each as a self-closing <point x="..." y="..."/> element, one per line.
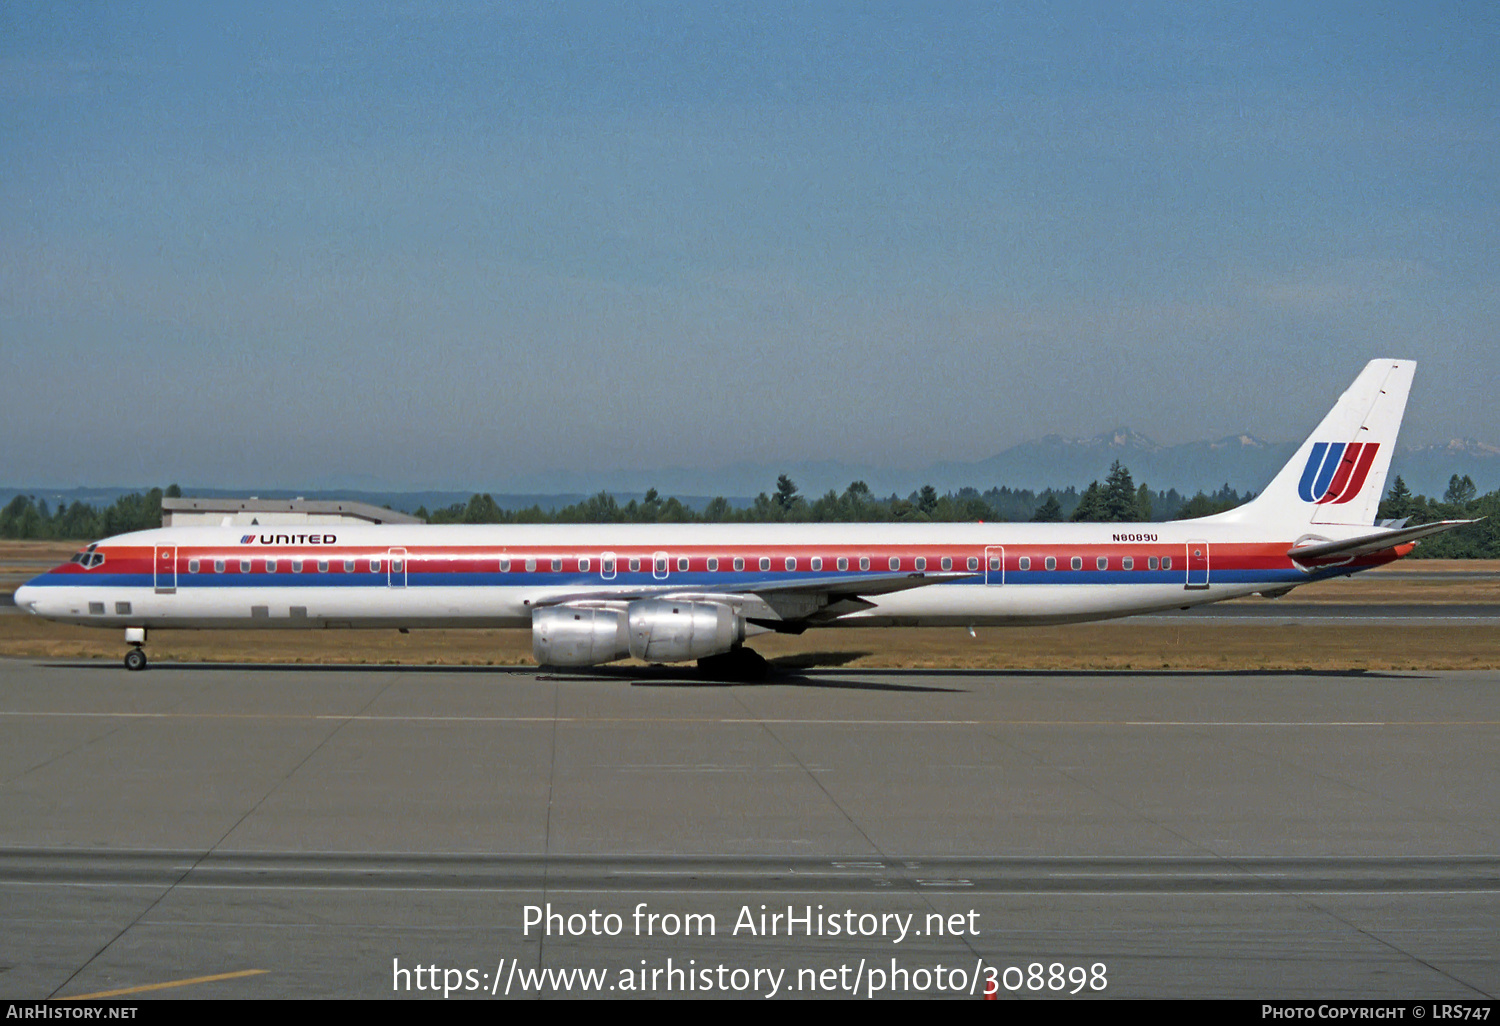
<point x="256" y="511"/>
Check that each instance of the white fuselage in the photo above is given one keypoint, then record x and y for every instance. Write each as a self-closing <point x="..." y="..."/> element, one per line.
<point x="456" y="576"/>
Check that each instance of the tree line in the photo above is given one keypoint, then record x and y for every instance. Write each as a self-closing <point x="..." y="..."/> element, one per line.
<point x="26" y="517"/>
<point x="1115" y="500"/>
<point x="1460" y="502"/>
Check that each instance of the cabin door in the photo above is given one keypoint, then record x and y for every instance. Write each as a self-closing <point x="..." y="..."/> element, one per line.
<point x="1197" y="564"/>
<point x="165" y="568"/>
<point x="994" y="564"/>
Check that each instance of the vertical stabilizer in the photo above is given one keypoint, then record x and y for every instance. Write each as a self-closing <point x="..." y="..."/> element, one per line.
<point x="1338" y="475"/>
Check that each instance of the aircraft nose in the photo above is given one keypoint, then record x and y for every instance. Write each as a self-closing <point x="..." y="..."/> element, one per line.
<point x="26" y="598"/>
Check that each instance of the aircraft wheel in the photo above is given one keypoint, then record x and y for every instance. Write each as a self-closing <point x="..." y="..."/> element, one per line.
<point x="135" y="659"/>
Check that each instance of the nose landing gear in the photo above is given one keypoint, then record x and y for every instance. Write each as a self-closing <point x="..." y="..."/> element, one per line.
<point x="135" y="659"/>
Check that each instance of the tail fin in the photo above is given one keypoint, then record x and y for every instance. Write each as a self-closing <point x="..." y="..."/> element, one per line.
<point x="1338" y="474"/>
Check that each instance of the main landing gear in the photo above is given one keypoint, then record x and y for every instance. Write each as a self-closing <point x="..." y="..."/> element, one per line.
<point x="135" y="637"/>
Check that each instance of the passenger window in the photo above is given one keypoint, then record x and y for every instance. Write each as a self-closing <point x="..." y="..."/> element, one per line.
<point x="244" y="566"/>
<point x="661" y="564"/>
<point x="218" y="566"/>
<point x="895" y="563"/>
<point x="1025" y="563"/>
<point x="864" y="562"/>
<point x="921" y="562"/>
<point x="1151" y="563"/>
<point x="973" y="562"/>
<point x="843" y="563"/>
<point x="682" y="564"/>
<point x="739" y="562"/>
<point x="505" y="564"/>
<point x="296" y="566"/>
<point x="192" y="566"/>
<point x="322" y="566"/>
<point x="96" y="608"/>
<point x="122" y="608"/>
<point x="531" y="565"/>
<point x="270" y="566"/>
<point x="1076" y="563"/>
<point x="348" y="566"/>
<point x="791" y="563"/>
<point x="713" y="562"/>
<point x="1051" y="563"/>
<point x="1128" y="563"/>
<point x="635" y="564"/>
<point x="556" y="565"/>
<point x="817" y="562"/>
<point x="765" y="562"/>
<point x="609" y="567"/>
<point x="1166" y="562"/>
<point x="1102" y="563"/>
<point x="947" y="563"/>
<point x="994" y="562"/>
<point x="583" y="565"/>
<point x="374" y="566"/>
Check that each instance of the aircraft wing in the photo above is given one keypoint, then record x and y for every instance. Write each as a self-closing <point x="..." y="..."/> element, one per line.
<point x="820" y="598"/>
<point x="1319" y="551"/>
<point x="877" y="584"/>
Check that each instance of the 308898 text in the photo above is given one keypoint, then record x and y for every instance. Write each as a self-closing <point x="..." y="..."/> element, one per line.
<point x="1052" y="976"/>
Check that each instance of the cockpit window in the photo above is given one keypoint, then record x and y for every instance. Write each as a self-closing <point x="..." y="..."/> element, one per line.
<point x="88" y="558"/>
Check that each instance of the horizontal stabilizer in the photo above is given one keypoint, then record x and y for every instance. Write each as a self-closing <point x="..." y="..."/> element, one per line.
<point x="1365" y="544"/>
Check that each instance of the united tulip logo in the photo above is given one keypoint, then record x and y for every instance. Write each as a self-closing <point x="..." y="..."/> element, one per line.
<point x="1336" y="471"/>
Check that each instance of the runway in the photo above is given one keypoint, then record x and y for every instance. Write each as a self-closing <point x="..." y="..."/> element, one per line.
<point x="235" y="831"/>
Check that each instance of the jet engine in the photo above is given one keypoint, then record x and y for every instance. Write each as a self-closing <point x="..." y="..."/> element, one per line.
<point x="578" y="635"/>
<point x="665" y="631"/>
<point x="652" y="630"/>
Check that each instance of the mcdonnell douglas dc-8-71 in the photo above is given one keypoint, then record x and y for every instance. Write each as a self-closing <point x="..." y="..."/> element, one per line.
<point x="667" y="593"/>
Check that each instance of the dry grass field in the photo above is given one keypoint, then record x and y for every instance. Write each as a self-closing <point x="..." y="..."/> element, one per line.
<point x="1272" y="643"/>
<point x="1120" y="645"/>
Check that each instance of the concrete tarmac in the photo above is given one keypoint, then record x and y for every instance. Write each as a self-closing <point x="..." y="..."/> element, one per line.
<point x="270" y="831"/>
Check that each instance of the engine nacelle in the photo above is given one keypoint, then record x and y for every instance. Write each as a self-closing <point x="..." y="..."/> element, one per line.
<point x="578" y="635"/>
<point x="664" y="631"/>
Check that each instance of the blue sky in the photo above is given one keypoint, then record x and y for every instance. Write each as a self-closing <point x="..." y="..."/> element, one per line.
<point x="461" y="245"/>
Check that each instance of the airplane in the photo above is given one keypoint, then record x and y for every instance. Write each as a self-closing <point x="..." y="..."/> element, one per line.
<point x="668" y="593"/>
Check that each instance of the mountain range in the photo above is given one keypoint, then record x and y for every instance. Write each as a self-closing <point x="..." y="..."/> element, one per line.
<point x="1244" y="462"/>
